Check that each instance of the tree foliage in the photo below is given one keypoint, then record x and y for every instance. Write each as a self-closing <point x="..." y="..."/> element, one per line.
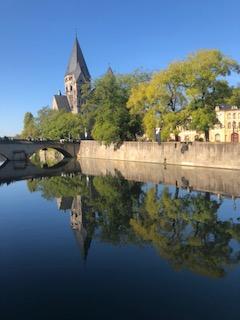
<point x="197" y="84"/>
<point x="113" y="123"/>
<point x="29" y="126"/>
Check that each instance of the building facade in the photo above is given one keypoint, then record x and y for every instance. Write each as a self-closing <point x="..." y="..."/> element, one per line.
<point x="76" y="75"/>
<point x="226" y="130"/>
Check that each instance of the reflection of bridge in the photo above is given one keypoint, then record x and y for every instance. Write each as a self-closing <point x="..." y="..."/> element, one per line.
<point x="23" y="150"/>
<point x="21" y="170"/>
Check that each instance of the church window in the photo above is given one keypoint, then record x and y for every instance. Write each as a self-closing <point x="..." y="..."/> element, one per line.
<point x="229" y="125"/>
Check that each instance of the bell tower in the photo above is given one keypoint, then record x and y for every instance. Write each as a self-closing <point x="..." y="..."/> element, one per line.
<point x="76" y="75"/>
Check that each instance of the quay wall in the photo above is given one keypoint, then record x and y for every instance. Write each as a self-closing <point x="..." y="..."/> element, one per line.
<point x="198" y="154"/>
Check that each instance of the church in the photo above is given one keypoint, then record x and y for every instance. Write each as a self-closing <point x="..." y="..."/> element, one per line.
<point x="76" y="75"/>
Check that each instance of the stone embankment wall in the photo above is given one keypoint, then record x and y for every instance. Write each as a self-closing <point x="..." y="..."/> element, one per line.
<point x="203" y="154"/>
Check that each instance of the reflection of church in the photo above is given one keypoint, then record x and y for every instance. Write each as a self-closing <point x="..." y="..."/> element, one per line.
<point x="81" y="224"/>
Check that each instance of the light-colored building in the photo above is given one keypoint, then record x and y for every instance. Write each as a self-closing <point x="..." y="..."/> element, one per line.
<point x="226" y="130"/>
<point x="76" y="75"/>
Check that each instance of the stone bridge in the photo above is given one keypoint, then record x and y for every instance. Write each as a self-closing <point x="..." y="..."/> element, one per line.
<point x="19" y="150"/>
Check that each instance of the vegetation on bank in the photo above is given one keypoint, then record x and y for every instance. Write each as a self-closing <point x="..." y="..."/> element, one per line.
<point x="132" y="106"/>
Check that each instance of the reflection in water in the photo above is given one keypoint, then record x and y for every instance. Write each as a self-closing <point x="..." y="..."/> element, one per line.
<point x="185" y="228"/>
<point x="46" y="158"/>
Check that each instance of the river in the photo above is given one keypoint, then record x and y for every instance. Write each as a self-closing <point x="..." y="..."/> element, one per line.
<point x="90" y="241"/>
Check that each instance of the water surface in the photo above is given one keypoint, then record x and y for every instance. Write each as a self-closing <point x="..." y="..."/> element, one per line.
<point x="76" y="245"/>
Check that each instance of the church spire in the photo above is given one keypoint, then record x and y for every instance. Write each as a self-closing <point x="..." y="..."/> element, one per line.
<point x="110" y="71"/>
<point x="77" y="65"/>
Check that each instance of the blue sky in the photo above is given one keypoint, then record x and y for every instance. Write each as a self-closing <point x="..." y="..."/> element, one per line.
<point x="37" y="36"/>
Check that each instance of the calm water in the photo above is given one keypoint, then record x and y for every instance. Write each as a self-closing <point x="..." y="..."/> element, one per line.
<point x="102" y="247"/>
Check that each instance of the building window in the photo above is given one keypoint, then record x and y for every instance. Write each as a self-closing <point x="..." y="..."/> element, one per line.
<point x="234" y="124"/>
<point x="217" y="137"/>
<point x="239" y="125"/>
<point x="229" y="125"/>
<point x="239" y="116"/>
<point x="70" y="88"/>
<point x="234" y="115"/>
<point x="229" y="115"/>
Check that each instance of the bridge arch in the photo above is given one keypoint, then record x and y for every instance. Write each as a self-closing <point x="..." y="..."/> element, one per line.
<point x="61" y="150"/>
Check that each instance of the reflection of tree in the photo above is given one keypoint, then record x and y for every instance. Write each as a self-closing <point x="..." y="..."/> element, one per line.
<point x="186" y="231"/>
<point x="115" y="201"/>
<point x="71" y="193"/>
<point x="56" y="187"/>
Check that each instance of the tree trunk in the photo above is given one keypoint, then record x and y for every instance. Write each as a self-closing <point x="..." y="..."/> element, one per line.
<point x="206" y="132"/>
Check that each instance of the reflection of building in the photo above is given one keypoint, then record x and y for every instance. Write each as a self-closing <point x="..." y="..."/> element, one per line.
<point x="82" y="228"/>
<point x="227" y="130"/>
<point x="76" y="75"/>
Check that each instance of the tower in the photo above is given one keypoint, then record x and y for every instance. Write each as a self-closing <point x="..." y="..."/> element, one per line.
<point x="76" y="75"/>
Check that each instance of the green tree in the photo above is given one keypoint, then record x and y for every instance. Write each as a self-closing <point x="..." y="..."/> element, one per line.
<point x="29" y="127"/>
<point x="202" y="121"/>
<point x="198" y="82"/>
<point x="113" y="123"/>
<point x="234" y="99"/>
<point x="59" y="124"/>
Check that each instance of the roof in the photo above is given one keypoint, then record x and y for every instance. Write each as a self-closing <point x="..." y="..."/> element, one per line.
<point x="227" y="107"/>
<point x="62" y="102"/>
<point x="77" y="65"/>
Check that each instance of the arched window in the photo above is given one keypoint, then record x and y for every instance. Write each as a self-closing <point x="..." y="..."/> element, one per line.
<point x="217" y="137"/>
<point x="229" y="125"/>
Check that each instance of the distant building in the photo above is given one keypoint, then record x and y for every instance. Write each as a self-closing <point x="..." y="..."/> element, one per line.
<point x="226" y="130"/>
<point x="76" y="75"/>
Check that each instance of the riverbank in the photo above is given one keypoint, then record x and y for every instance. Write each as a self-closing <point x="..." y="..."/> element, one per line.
<point x="197" y="154"/>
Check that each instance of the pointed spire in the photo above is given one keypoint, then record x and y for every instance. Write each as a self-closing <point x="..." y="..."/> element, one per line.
<point x="77" y="65"/>
<point x="110" y="71"/>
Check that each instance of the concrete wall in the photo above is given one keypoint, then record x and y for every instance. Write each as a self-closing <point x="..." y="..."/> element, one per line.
<point x="203" y="154"/>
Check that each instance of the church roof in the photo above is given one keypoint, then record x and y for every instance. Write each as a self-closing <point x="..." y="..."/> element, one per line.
<point x="77" y="65"/>
<point x="62" y="102"/>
